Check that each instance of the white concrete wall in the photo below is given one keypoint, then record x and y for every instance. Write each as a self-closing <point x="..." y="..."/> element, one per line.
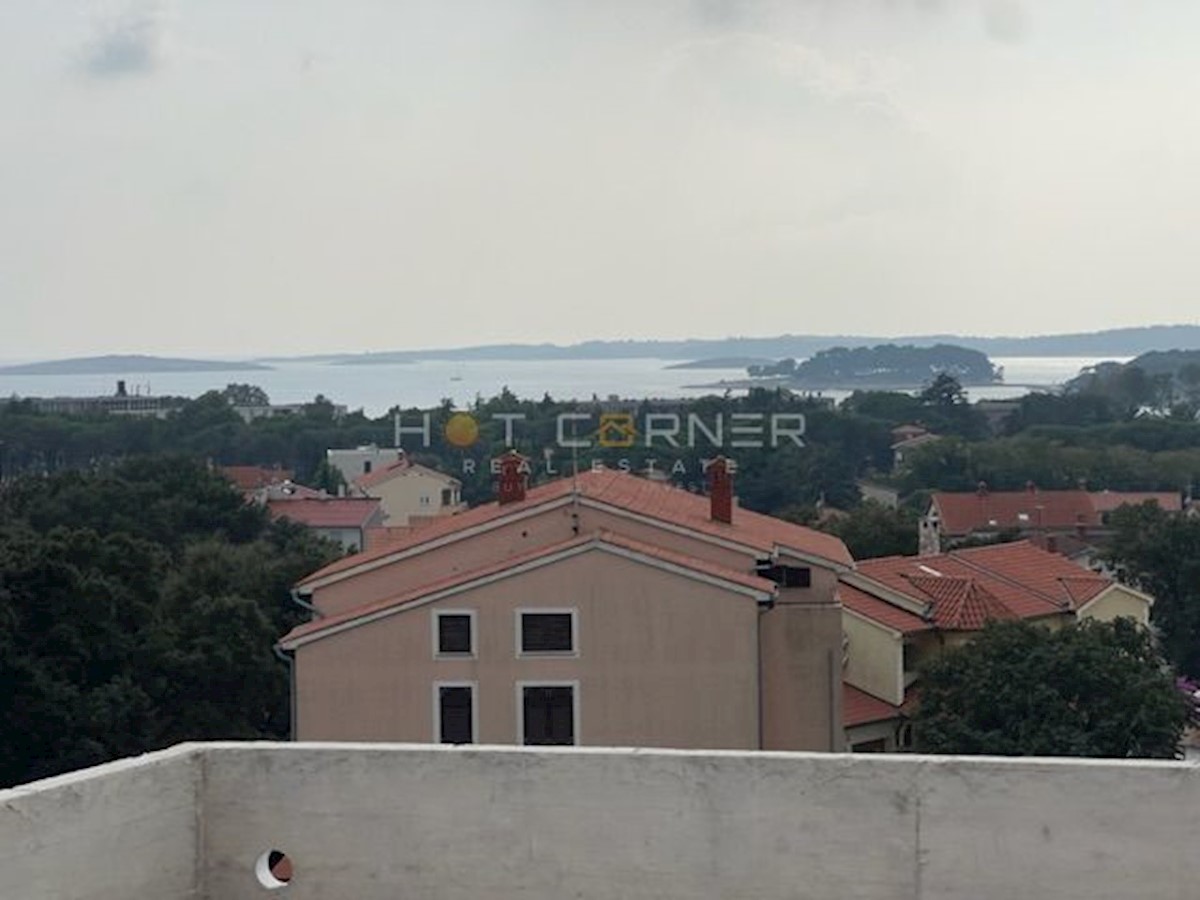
<point x="386" y="821"/>
<point x="123" y="831"/>
<point x="374" y="822"/>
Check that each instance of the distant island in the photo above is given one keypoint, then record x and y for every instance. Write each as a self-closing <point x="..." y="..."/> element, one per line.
<point x="722" y="362"/>
<point x="122" y="365"/>
<point x="883" y="367"/>
<point x="1109" y="343"/>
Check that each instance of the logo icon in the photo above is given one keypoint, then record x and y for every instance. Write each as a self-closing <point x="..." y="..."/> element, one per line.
<point x="462" y="430"/>
<point x="616" y="430"/>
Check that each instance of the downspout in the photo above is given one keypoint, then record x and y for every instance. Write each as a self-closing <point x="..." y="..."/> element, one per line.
<point x="290" y="659"/>
<point x="764" y="606"/>
<point x="759" y="664"/>
<point x="291" y="665"/>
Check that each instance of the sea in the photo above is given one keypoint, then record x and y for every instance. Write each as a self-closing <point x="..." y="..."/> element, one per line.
<point x="377" y="388"/>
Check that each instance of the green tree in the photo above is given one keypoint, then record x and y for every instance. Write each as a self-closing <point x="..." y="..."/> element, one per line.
<point x="138" y="608"/>
<point x="1018" y="689"/>
<point x="245" y="395"/>
<point x="872" y="530"/>
<point x="1159" y="553"/>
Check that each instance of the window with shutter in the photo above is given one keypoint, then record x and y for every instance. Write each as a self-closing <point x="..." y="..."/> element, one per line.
<point x="456" y="713"/>
<point x="547" y="632"/>
<point x="454" y="633"/>
<point x="548" y="714"/>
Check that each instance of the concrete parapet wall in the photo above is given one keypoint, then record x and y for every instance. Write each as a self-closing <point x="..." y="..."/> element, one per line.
<point x="122" y="831"/>
<point x="376" y="821"/>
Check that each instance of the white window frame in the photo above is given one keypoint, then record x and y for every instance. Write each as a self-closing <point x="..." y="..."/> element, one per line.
<point x="576" y="710"/>
<point x="437" y="652"/>
<point x="573" y="653"/>
<point x="437" y="710"/>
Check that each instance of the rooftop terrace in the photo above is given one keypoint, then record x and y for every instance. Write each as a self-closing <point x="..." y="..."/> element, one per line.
<point x="370" y="822"/>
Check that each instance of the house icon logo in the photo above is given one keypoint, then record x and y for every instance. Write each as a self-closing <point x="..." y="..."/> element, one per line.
<point x="616" y="430"/>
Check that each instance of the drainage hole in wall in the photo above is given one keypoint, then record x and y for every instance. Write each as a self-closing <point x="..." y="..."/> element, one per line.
<point x="273" y="870"/>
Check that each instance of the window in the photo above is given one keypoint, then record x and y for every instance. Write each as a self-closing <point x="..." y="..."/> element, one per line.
<point x="446" y="496"/>
<point x="454" y="712"/>
<point x="424" y="500"/>
<point x="454" y="632"/>
<point x="366" y="467"/>
<point x="548" y="713"/>
<point x="546" y="631"/>
<point x="784" y="576"/>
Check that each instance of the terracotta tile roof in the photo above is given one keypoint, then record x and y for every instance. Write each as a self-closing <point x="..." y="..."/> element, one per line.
<point x="881" y="611"/>
<point x="963" y="513"/>
<point x="961" y="604"/>
<point x="1049" y="574"/>
<point x="330" y="512"/>
<point x="654" y="500"/>
<point x="461" y="579"/>
<point x="860" y="708"/>
<point x="968" y="587"/>
<point x="1107" y="501"/>
<point x="400" y="468"/>
<point x="249" y="478"/>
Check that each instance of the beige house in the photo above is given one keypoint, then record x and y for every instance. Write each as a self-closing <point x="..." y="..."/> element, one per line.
<point x="898" y="611"/>
<point x="409" y="492"/>
<point x="604" y="609"/>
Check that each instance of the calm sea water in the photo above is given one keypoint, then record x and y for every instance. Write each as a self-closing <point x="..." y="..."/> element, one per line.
<point x="377" y="388"/>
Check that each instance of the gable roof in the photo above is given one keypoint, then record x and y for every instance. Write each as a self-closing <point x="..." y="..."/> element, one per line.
<point x="985" y="510"/>
<point x="880" y="611"/>
<point x="656" y="502"/>
<point x="961" y="604"/>
<point x="679" y="563"/>
<point x="963" y="589"/>
<point x="326" y="512"/>
<point x="1107" y="501"/>
<point x="861" y="708"/>
<point x="1049" y="574"/>
<point x="399" y="469"/>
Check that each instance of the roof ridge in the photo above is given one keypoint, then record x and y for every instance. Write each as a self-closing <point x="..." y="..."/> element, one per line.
<point x="1012" y="582"/>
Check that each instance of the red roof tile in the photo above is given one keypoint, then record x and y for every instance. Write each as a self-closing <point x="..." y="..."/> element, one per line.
<point x="459" y="579"/>
<point x="329" y="512"/>
<point x="399" y="468"/>
<point x="962" y="513"/>
<point x="664" y="503"/>
<point x="1025" y="600"/>
<point x="860" y="708"/>
<point x="881" y="611"/>
<point x="961" y="604"/>
<point x="1107" y="501"/>
<point x="1049" y="574"/>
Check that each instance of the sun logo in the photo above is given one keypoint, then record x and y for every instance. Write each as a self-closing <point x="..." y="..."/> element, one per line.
<point x="461" y="430"/>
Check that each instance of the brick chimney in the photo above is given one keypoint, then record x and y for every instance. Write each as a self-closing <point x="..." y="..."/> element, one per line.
<point x="512" y="478"/>
<point x="720" y="490"/>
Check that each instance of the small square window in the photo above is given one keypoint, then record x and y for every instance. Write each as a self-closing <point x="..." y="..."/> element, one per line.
<point x="454" y="633"/>
<point x="547" y="632"/>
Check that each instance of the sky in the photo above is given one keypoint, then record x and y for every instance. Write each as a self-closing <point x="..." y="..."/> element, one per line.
<point x="223" y="178"/>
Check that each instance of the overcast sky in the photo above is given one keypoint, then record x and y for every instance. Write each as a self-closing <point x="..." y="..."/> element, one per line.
<point x="225" y="177"/>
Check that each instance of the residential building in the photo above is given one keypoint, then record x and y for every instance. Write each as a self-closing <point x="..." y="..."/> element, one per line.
<point x="344" y="520"/>
<point x="410" y="493"/>
<point x="354" y="462"/>
<point x="898" y="611"/>
<point x="599" y="609"/>
<point x="905" y="439"/>
<point x="984" y="513"/>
